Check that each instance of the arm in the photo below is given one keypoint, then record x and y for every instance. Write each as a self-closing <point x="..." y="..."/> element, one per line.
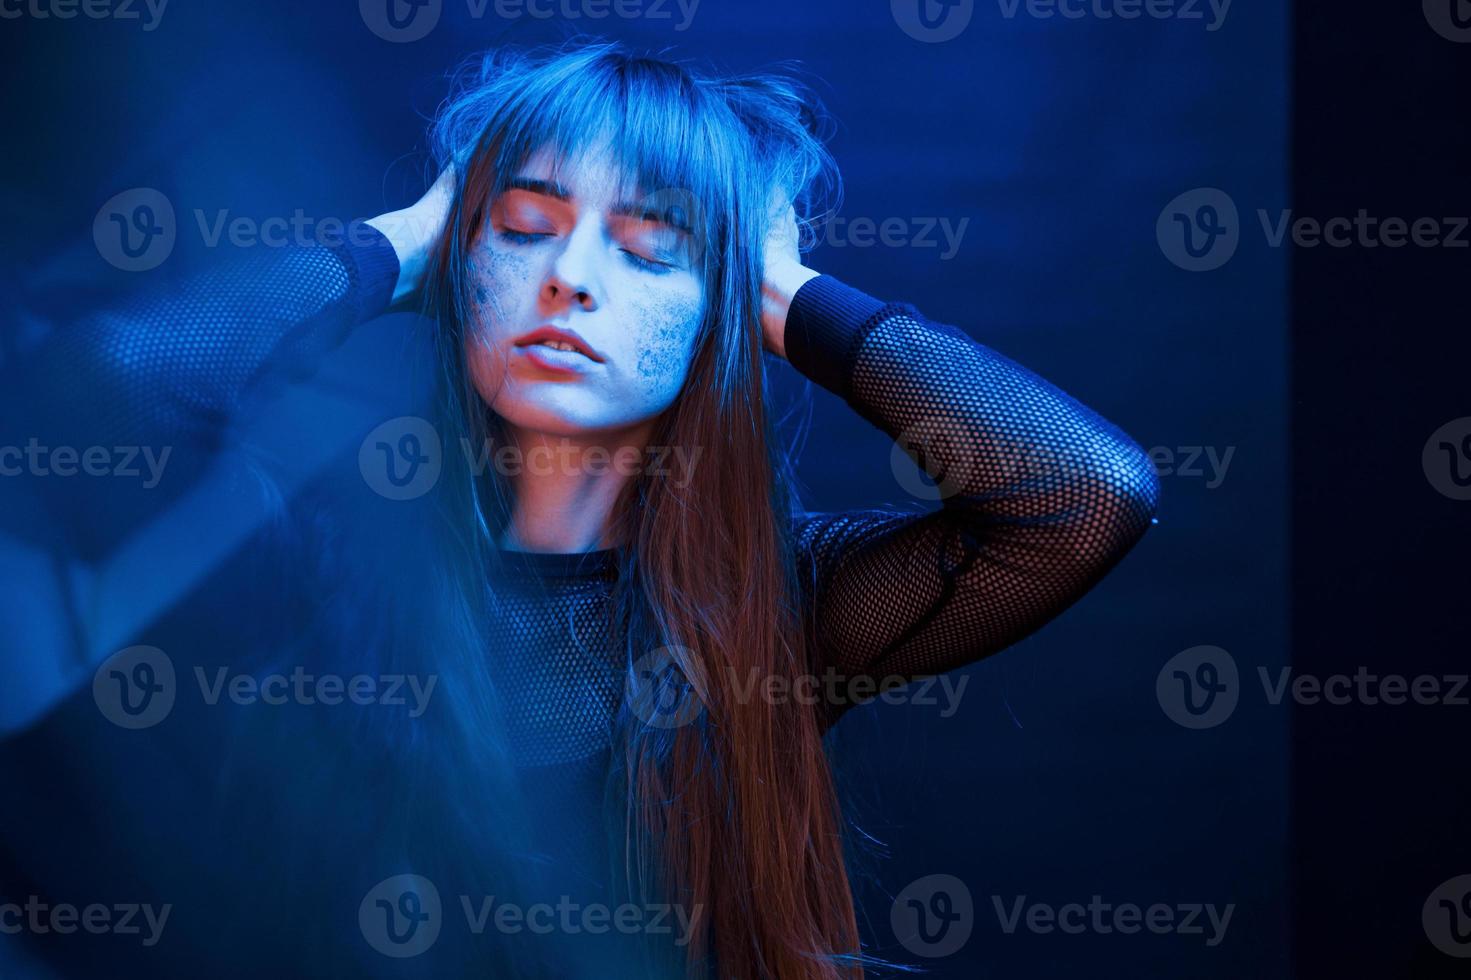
<point x="173" y="369"/>
<point x="1039" y="496"/>
<point x="161" y="403"/>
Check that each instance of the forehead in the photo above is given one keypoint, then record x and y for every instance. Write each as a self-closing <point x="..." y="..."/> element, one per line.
<point x="592" y="176"/>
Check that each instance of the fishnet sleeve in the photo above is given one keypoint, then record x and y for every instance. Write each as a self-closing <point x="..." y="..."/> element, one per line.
<point x="1038" y="495"/>
<point x="172" y="367"/>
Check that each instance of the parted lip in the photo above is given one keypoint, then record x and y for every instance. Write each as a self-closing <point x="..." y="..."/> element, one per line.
<point x="549" y="332"/>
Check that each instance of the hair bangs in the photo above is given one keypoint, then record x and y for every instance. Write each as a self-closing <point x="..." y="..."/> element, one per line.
<point x="674" y="142"/>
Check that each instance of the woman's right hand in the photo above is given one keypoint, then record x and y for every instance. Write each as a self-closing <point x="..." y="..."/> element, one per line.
<point x="413" y="231"/>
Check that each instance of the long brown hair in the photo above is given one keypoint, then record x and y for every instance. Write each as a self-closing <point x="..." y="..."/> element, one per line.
<point x="733" y="814"/>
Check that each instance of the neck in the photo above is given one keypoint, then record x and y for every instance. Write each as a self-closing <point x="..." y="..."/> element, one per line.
<point x="565" y="487"/>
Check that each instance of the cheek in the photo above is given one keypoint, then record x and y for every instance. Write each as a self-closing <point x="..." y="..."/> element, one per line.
<point x="665" y="344"/>
<point x="502" y="281"/>
<point x="487" y="369"/>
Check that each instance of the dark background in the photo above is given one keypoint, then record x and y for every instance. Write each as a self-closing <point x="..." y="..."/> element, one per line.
<point x="1380" y="799"/>
<point x="1061" y="776"/>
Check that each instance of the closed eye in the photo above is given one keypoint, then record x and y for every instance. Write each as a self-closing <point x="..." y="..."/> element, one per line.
<point x="636" y="258"/>
<point x="646" y="263"/>
<point x="652" y="246"/>
<point x="523" y="237"/>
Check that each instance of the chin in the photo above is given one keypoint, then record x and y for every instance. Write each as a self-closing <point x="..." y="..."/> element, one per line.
<point x="560" y="411"/>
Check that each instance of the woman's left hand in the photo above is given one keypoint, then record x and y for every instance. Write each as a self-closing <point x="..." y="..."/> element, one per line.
<point x="785" y="274"/>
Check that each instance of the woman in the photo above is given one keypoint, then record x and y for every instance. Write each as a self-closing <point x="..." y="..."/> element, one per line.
<point x="611" y="248"/>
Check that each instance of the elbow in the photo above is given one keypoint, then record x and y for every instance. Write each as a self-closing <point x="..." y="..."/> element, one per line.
<point x="1086" y="507"/>
<point x="1120" y="496"/>
<point x="1104" y="506"/>
<point x="1137" y="482"/>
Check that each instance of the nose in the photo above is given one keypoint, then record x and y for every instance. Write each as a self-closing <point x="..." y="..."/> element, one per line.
<point x="573" y="276"/>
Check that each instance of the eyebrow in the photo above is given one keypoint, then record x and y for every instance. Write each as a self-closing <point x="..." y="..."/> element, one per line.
<point x="544" y="187"/>
<point x="673" y="216"/>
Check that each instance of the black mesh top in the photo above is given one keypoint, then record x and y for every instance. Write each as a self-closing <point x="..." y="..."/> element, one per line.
<point x="1038" y="496"/>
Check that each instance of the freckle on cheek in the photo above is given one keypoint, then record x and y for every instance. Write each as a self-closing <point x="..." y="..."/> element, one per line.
<point x="663" y="355"/>
<point x="497" y="276"/>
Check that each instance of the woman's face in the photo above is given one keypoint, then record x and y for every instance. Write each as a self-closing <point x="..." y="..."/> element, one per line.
<point x="581" y="257"/>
